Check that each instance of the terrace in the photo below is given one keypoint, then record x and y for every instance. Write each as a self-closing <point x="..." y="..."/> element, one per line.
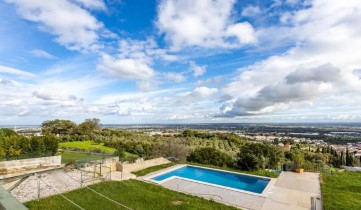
<point x="289" y="191"/>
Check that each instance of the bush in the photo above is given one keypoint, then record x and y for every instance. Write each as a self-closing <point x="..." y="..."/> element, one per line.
<point x="20" y="147"/>
<point x="254" y="156"/>
<point x="211" y="156"/>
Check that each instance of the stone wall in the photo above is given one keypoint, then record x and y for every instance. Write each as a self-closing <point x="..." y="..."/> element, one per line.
<point x="130" y="167"/>
<point x="14" y="165"/>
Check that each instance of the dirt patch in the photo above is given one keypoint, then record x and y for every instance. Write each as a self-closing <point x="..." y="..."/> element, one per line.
<point x="177" y="203"/>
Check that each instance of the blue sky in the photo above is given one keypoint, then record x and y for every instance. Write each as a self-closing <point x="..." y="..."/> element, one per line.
<point x="180" y="61"/>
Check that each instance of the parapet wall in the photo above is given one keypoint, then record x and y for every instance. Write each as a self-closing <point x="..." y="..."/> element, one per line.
<point x="130" y="167"/>
<point x="15" y="165"/>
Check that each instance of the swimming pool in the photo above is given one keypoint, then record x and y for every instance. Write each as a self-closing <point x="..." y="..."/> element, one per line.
<point x="227" y="179"/>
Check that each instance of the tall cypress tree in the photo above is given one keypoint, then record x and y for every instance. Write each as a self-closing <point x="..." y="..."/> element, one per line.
<point x="347" y="157"/>
<point x="342" y="159"/>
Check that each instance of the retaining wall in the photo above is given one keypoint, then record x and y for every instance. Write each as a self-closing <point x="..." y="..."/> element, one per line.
<point x="14" y="165"/>
<point x="130" y="167"/>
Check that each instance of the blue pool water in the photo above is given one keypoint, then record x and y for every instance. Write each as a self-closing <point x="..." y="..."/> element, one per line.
<point x="237" y="181"/>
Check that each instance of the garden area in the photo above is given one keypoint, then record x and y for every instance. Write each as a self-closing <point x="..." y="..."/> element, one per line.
<point x="88" y="146"/>
<point x="132" y="193"/>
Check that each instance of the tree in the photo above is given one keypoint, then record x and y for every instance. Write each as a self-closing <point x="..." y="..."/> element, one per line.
<point x="51" y="144"/>
<point x="259" y="155"/>
<point x="347" y="157"/>
<point x="5" y="132"/>
<point x="89" y="127"/>
<point x="342" y="158"/>
<point x="58" y="127"/>
<point x="177" y="152"/>
<point x="209" y="155"/>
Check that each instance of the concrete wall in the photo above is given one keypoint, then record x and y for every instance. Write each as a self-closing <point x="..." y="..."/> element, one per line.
<point x="130" y="167"/>
<point x="14" y="165"/>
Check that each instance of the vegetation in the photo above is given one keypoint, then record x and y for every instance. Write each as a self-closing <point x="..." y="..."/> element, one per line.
<point x="88" y="146"/>
<point x="255" y="156"/>
<point x="153" y="169"/>
<point x="218" y="149"/>
<point x="210" y="156"/>
<point x="341" y="191"/>
<point x="58" y="127"/>
<point x="14" y="146"/>
<point x="69" y="131"/>
<point x="298" y="159"/>
<point x="132" y="193"/>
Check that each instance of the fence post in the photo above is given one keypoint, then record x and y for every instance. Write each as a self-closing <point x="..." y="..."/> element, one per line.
<point x="38" y="176"/>
<point x="81" y="178"/>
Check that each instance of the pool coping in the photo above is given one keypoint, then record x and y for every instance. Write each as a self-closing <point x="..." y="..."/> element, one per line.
<point x="264" y="193"/>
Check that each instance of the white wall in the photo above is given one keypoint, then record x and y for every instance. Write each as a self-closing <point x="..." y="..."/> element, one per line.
<point x="13" y="165"/>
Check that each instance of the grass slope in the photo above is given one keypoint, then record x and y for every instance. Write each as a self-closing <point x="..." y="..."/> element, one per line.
<point x="152" y="169"/>
<point x="341" y="191"/>
<point x="132" y="193"/>
<point x="86" y="146"/>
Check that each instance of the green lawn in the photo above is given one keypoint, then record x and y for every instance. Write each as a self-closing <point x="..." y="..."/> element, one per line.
<point x="86" y="146"/>
<point x="67" y="157"/>
<point x="341" y="191"/>
<point x="132" y="193"/>
<point x="152" y="169"/>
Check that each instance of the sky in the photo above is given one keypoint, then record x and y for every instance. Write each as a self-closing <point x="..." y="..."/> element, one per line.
<point x="180" y="61"/>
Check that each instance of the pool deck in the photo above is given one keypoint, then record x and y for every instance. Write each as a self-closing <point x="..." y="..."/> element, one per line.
<point x="293" y="191"/>
<point x="290" y="191"/>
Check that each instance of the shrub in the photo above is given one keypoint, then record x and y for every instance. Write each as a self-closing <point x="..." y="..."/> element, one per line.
<point x="298" y="159"/>
<point x="210" y="156"/>
<point x="254" y="156"/>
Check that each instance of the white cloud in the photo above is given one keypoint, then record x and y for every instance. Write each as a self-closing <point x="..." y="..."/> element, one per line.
<point x="251" y="11"/>
<point x="244" y="32"/>
<point x="197" y="70"/>
<point x="174" y="76"/>
<point x="74" y="27"/>
<point x="199" y="92"/>
<point x="210" y="81"/>
<point x="9" y="70"/>
<point x="147" y="85"/>
<point x="134" y="61"/>
<point x="93" y="4"/>
<point x="320" y="66"/>
<point x="203" y="23"/>
<point x="47" y="97"/>
<point x="127" y="68"/>
<point x="143" y="49"/>
<point x="42" y="54"/>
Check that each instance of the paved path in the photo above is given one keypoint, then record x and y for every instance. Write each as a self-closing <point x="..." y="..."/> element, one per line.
<point x="293" y="191"/>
